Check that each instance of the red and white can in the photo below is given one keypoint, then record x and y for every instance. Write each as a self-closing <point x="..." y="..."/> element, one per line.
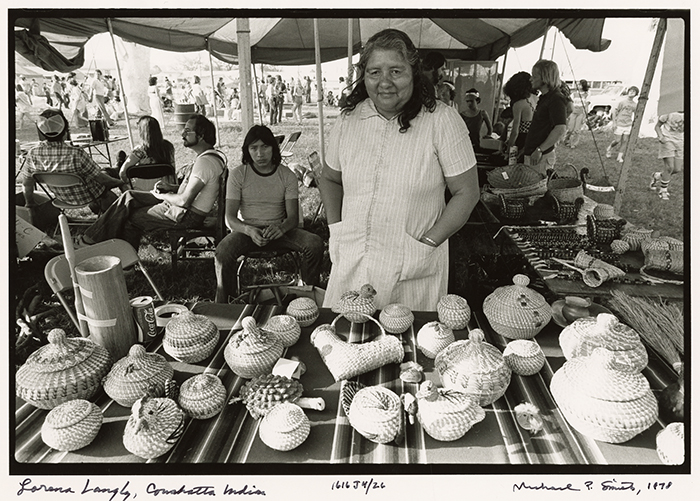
<point x="145" y="317"/>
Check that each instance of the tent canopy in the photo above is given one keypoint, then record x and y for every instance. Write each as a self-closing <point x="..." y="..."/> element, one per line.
<point x="290" y="41"/>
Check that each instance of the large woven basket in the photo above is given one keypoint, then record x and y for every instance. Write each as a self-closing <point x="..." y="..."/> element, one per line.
<point x="190" y="337"/>
<point x="396" y="318"/>
<point x="446" y="415"/>
<point x="513" y="177"/>
<point x="665" y="260"/>
<point x="565" y="188"/>
<point x="516" y="311"/>
<point x="252" y="351"/>
<point x="285" y="327"/>
<point x="586" y="334"/>
<point x="202" y="396"/>
<point x="524" y="357"/>
<point x="374" y="411"/>
<point x="65" y="369"/>
<point x="433" y="337"/>
<point x="454" y="311"/>
<point x="475" y="367"/>
<point x="345" y="360"/>
<point x="138" y="374"/>
<point x="71" y="425"/>
<point x="304" y="310"/>
<point x="154" y="427"/>
<point x="285" y="427"/>
<point x="602" y="399"/>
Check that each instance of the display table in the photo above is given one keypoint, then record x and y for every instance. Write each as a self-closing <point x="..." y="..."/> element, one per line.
<point x="231" y="436"/>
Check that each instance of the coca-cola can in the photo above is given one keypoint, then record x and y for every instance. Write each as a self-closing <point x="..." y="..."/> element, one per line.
<point x="145" y="316"/>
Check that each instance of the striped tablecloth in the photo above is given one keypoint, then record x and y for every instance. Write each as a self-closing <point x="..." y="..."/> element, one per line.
<point x="231" y="436"/>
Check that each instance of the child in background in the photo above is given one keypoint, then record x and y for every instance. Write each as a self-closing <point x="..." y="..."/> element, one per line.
<point x="622" y="119"/>
<point x="474" y="118"/>
<point x="669" y="129"/>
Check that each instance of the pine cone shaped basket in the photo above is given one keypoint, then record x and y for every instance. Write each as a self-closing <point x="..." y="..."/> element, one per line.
<point x="434" y="337"/>
<point x="138" y="374"/>
<point x="584" y="335"/>
<point x="602" y="399"/>
<point x="446" y="415"/>
<point x="670" y="444"/>
<point x="190" y="337"/>
<point x="524" y="357"/>
<point x="65" y="369"/>
<point x="154" y="427"/>
<point x="516" y="311"/>
<point x="345" y="360"/>
<point x="252" y="351"/>
<point x="304" y="310"/>
<point x="202" y="396"/>
<point x="357" y="306"/>
<point x="285" y="327"/>
<point x="285" y="427"/>
<point x="454" y="311"/>
<point x="71" y="425"/>
<point x="474" y="367"/>
<point x="396" y="318"/>
<point x="262" y="393"/>
<point x="375" y="412"/>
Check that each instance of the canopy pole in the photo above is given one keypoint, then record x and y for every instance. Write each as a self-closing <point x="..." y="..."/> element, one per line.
<point x="213" y="91"/>
<point x="121" y="85"/>
<point x="244" y="73"/>
<point x="319" y="92"/>
<point x="256" y="93"/>
<point x="639" y="112"/>
<point x="351" y="72"/>
<point x="544" y="40"/>
<point x="497" y="104"/>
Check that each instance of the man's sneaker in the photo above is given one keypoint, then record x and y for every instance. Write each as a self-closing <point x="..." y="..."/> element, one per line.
<point x="619" y="157"/>
<point x="608" y="153"/>
<point x="663" y="194"/>
<point x="655" y="178"/>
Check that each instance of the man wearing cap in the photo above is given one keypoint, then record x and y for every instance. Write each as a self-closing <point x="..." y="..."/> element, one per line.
<point x="99" y="94"/>
<point x="54" y="154"/>
<point x="167" y="206"/>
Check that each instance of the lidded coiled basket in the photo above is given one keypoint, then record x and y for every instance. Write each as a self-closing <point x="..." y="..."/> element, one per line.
<point x="252" y="351"/>
<point x="190" y="337"/>
<point x="285" y="427"/>
<point x="586" y="334"/>
<point x="285" y="327"/>
<point x="304" y="310"/>
<point x="516" y="311"/>
<point x="65" y="369"/>
<point x="71" y="425"/>
<point x="602" y="399"/>
<point x="524" y="357"/>
<point x="138" y="374"/>
<point x="474" y="367"/>
<point x="454" y="311"/>
<point x="202" y="396"/>
<point x="396" y="318"/>
<point x="434" y="337"/>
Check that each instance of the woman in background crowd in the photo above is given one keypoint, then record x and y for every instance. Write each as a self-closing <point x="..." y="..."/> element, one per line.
<point x="523" y="101"/>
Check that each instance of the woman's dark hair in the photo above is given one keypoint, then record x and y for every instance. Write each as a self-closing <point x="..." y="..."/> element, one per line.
<point x="151" y="136"/>
<point x="518" y="87"/>
<point x="262" y="133"/>
<point x="583" y="86"/>
<point x="152" y="80"/>
<point x="423" y="92"/>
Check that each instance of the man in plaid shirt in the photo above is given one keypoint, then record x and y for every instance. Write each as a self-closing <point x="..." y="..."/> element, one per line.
<point x="53" y="154"/>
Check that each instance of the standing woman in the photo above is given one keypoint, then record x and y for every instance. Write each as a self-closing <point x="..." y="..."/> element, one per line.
<point x="523" y="101"/>
<point x="155" y="102"/>
<point x="391" y="153"/>
<point x="78" y="104"/>
<point x="152" y="150"/>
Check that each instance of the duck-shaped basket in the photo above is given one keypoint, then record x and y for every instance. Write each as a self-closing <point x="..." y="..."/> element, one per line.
<point x="190" y="337"/>
<point x="375" y="412"/>
<point x="252" y="351"/>
<point x="586" y="334"/>
<point x="475" y="367"/>
<point x="346" y="360"/>
<point x="71" y="425"/>
<point x="602" y="399"/>
<point x="285" y="427"/>
<point x="357" y="305"/>
<point x="285" y="327"/>
<point x="154" y="427"/>
<point x="446" y="415"/>
<point x="138" y="374"/>
<point x="65" y="369"/>
<point x="202" y="396"/>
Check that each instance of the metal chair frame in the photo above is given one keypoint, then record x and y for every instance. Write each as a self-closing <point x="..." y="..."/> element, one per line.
<point x="150" y="171"/>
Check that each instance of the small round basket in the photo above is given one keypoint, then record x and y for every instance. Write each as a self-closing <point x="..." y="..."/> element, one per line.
<point x="396" y="318"/>
<point x="475" y="367"/>
<point x="285" y="327"/>
<point x="202" y="396"/>
<point x="65" y="369"/>
<point x="524" y="357"/>
<point x="190" y="337"/>
<point x="433" y="337"/>
<point x="71" y="425"/>
<point x="252" y="351"/>
<point x="670" y="444"/>
<point x="516" y="311"/>
<point x="285" y="427"/>
<point x="454" y="311"/>
<point x="304" y="310"/>
<point x="136" y="375"/>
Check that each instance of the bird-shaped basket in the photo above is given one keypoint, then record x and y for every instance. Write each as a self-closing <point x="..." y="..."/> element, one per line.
<point x="154" y="427"/>
<point x="446" y="415"/>
<point x="263" y="393"/>
<point x="252" y="351"/>
<point x="375" y="412"/>
<point x="357" y="305"/>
